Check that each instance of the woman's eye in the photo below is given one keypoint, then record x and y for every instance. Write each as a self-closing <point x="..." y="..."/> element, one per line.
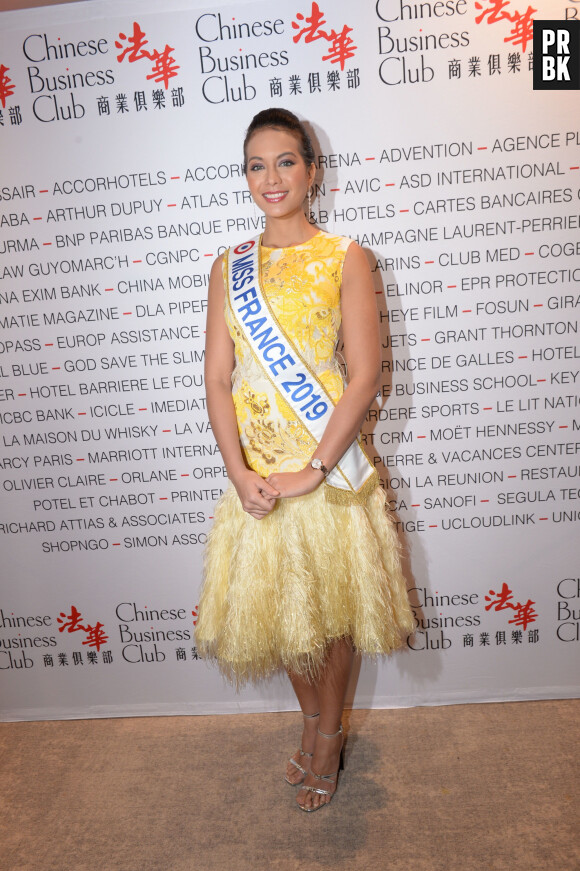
<point x="255" y="166"/>
<point x="287" y="163"/>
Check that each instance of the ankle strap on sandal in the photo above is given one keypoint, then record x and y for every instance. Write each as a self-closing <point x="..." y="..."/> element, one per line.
<point x="334" y="734"/>
<point x="310" y="716"/>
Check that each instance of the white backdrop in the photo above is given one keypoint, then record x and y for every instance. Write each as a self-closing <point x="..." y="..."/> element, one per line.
<point x="120" y="181"/>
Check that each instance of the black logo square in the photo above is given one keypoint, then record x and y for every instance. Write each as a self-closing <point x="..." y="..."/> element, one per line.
<point x="556" y="55"/>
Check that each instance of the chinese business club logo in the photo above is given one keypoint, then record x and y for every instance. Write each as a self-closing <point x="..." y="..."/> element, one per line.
<point x="498" y="11"/>
<point x="340" y="45"/>
<point x="60" y="93"/>
<point x="522" y="615"/>
<point x="6" y="86"/>
<point x="336" y="47"/>
<point x="164" y="64"/>
<point x="7" y="90"/>
<point x="94" y="635"/>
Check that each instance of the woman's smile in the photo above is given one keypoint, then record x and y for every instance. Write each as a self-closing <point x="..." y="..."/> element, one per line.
<point x="274" y="196"/>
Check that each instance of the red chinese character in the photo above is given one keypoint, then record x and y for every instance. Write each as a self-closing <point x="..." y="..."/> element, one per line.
<point x="96" y="636"/>
<point x="134" y="50"/>
<point x="164" y="67"/>
<point x="496" y="12"/>
<point x="342" y="47"/>
<point x="502" y="601"/>
<point x="524" y="615"/>
<point x="315" y="20"/>
<point x="523" y="29"/>
<point x="72" y="623"/>
<point x="6" y="86"/>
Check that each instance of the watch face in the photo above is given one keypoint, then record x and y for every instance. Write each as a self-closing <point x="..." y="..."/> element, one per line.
<point x="316" y="463"/>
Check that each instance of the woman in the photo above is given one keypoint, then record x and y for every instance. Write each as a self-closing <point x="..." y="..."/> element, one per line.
<point x="302" y="565"/>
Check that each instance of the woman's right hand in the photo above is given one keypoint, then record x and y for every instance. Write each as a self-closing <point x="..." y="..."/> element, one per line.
<point x="256" y="495"/>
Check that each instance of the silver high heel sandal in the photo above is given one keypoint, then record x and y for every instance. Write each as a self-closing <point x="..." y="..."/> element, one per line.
<point x="297" y="765"/>
<point x="329" y="778"/>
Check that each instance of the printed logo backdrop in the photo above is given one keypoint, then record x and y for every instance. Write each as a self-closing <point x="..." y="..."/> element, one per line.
<point x="121" y="180"/>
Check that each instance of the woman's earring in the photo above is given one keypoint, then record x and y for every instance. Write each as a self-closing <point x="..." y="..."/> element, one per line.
<point x="309" y="195"/>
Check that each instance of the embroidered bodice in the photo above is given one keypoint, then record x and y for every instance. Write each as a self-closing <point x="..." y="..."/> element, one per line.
<point x="302" y="287"/>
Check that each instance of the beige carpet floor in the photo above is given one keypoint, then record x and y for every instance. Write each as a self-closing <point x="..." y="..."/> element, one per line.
<point x="484" y="787"/>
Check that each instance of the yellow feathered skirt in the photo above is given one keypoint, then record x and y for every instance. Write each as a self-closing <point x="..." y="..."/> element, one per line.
<point x="277" y="591"/>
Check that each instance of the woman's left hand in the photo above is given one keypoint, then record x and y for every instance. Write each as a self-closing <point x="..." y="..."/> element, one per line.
<point x="299" y="483"/>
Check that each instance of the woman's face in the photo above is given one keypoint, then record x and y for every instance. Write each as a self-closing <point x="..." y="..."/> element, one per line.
<point x="277" y="175"/>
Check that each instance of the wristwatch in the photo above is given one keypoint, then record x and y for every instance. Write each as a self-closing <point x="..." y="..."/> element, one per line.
<point x="317" y="463"/>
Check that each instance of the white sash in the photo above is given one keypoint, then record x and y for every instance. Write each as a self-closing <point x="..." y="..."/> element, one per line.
<point x="285" y="367"/>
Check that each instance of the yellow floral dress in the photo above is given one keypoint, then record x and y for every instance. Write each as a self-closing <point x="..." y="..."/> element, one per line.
<point x="277" y="591"/>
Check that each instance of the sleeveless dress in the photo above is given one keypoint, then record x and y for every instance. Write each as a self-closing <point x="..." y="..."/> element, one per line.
<point x="277" y="591"/>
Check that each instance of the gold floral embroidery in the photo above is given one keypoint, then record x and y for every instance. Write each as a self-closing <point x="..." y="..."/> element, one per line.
<point x="295" y="429"/>
<point x="270" y="444"/>
<point x="264" y="440"/>
<point x="258" y="403"/>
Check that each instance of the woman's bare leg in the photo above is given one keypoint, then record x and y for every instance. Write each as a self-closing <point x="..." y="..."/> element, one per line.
<point x="307" y="695"/>
<point x="331" y="688"/>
